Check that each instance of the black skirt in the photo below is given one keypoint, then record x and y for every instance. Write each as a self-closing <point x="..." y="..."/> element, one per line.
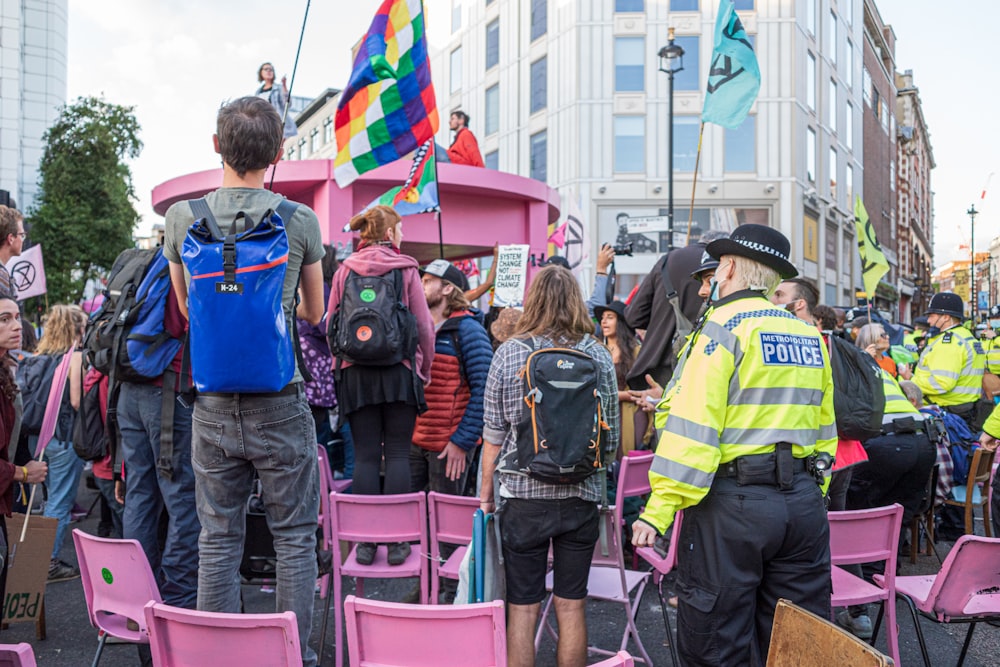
<point x="361" y="386"/>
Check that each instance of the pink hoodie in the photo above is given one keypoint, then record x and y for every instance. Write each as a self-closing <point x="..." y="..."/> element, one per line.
<point x="376" y="260"/>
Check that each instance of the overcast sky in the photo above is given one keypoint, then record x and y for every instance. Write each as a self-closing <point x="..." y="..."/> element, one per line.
<point x="177" y="61"/>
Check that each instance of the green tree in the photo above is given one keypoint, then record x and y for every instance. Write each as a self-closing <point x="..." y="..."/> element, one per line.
<point x="84" y="215"/>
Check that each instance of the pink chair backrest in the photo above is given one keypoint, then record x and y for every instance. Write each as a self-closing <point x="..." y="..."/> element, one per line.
<point x="17" y="655"/>
<point x="117" y="583"/>
<point x="969" y="581"/>
<point x="866" y="536"/>
<point x="633" y="476"/>
<point x="382" y="519"/>
<point x="451" y="517"/>
<point x="621" y="659"/>
<point x="391" y="634"/>
<point x="180" y="637"/>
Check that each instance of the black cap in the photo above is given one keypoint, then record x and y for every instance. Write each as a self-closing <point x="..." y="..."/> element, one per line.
<point x="557" y="260"/>
<point x="445" y="270"/>
<point x="760" y="243"/>
<point x="947" y="303"/>
<point x="708" y="263"/>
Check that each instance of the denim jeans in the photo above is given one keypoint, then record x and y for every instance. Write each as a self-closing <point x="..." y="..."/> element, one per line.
<point x="232" y="436"/>
<point x="107" y="489"/>
<point x="148" y="493"/>
<point x="64" y="478"/>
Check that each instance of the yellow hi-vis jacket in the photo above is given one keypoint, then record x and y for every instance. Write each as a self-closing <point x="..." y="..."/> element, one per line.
<point x="896" y="402"/>
<point x="992" y="349"/>
<point x="950" y="371"/>
<point x="752" y="376"/>
<point x="992" y="424"/>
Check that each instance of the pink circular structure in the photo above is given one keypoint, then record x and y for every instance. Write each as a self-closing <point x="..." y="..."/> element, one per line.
<point x="480" y="207"/>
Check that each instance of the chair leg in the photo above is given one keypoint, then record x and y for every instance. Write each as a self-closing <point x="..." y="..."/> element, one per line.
<point x="987" y="521"/>
<point x="100" y="648"/>
<point x="631" y="613"/>
<point x="543" y="624"/>
<point x="965" y="646"/>
<point x="671" y="639"/>
<point x="914" y="539"/>
<point x="326" y="618"/>
<point x="878" y="623"/>
<point x="970" y="520"/>
<point x="892" y="628"/>
<point x="920" y="632"/>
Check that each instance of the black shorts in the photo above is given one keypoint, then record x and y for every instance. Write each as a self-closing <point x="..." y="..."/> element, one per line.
<point x="526" y="529"/>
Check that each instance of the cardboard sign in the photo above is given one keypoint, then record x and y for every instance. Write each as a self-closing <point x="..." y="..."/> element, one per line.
<point x="29" y="567"/>
<point x="511" y="276"/>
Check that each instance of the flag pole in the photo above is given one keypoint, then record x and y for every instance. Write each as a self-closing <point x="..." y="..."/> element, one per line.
<point x="291" y="84"/>
<point x="694" y="182"/>
<point x="437" y="175"/>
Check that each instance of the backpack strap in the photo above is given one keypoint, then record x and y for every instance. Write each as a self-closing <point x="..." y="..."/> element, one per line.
<point x="680" y="319"/>
<point x="285" y="210"/>
<point x="201" y="211"/>
<point x="165" y="461"/>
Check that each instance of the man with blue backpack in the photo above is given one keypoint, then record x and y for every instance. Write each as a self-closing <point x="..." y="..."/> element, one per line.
<point x="238" y="259"/>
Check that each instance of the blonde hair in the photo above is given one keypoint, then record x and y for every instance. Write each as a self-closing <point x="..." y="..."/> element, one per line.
<point x="455" y="301"/>
<point x="754" y="275"/>
<point x="375" y="222"/>
<point x="554" y="307"/>
<point x="61" y="329"/>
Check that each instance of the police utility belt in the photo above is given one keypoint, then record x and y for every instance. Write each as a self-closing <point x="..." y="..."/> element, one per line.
<point x="903" y="426"/>
<point x="776" y="468"/>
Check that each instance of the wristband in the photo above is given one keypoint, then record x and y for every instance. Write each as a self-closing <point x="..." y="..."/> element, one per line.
<point x="24" y="470"/>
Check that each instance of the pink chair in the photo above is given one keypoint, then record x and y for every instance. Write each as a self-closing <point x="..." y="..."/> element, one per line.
<point x="963" y="591"/>
<point x="117" y="584"/>
<point x="620" y="659"/>
<point x="183" y="637"/>
<point x="867" y="536"/>
<point x="391" y="634"/>
<point x="609" y="580"/>
<point x="383" y="520"/>
<point x="17" y="655"/>
<point x="662" y="566"/>
<point x="451" y="523"/>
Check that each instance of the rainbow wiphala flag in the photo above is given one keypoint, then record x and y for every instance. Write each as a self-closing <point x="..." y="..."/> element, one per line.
<point x="388" y="108"/>
<point x="419" y="194"/>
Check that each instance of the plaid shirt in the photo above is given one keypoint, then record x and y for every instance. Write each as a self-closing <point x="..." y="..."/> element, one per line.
<point x="504" y="408"/>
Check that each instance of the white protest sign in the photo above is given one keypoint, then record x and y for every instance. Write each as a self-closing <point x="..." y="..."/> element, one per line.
<point x="27" y="273"/>
<point x="511" y="276"/>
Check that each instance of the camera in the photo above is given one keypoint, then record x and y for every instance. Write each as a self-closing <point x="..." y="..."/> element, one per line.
<point x="623" y="249"/>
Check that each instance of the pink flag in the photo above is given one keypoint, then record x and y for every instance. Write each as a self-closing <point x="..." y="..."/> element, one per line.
<point x="558" y="238"/>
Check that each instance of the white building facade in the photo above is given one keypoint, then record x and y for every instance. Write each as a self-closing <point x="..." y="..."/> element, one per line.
<point x="33" y="45"/>
<point x="569" y="92"/>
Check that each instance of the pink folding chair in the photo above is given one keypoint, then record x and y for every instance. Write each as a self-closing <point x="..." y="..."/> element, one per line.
<point x="380" y="519"/>
<point x="609" y="580"/>
<point x="17" y="655"/>
<point x="183" y="637"/>
<point x="117" y="584"/>
<point x="662" y="566"/>
<point x="867" y="536"/>
<point x="391" y="634"/>
<point x="451" y="523"/>
<point x="963" y="591"/>
<point x="620" y="659"/>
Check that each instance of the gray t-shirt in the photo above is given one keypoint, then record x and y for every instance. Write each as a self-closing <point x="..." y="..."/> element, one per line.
<point x="305" y="244"/>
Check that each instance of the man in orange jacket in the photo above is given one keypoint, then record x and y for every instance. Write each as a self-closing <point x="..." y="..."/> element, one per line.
<point x="464" y="148"/>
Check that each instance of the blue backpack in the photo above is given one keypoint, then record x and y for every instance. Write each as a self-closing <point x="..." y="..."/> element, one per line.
<point x="241" y="341"/>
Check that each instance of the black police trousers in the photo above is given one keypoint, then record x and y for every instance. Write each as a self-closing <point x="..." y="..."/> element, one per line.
<point x="896" y="471"/>
<point x="741" y="549"/>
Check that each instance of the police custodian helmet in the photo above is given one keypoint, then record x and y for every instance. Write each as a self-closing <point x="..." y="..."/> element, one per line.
<point x="947" y="303"/>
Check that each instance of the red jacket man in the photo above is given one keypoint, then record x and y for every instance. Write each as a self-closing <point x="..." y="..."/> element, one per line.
<point x="464" y="149"/>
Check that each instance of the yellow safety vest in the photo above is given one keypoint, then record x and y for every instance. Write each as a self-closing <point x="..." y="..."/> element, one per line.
<point x="950" y="371"/>
<point x="896" y="401"/>
<point x="992" y="347"/>
<point x="752" y="376"/>
<point x="992" y="425"/>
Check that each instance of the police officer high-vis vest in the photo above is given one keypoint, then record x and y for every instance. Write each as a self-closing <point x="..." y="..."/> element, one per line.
<point x="950" y="371"/>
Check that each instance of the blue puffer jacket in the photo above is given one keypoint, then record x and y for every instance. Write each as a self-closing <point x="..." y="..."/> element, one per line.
<point x="455" y="397"/>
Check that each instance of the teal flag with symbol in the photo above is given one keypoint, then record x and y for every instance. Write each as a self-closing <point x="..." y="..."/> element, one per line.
<point x="734" y="78"/>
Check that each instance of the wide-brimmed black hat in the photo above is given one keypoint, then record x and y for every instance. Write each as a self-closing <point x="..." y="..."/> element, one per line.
<point x="947" y="303"/>
<point x="708" y="263"/>
<point x="761" y="244"/>
<point x="616" y="307"/>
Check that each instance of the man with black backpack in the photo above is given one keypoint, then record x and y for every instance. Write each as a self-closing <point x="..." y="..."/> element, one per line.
<point x="267" y="430"/>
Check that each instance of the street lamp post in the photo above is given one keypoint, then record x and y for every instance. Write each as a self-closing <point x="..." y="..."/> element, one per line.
<point x="973" y="294"/>
<point x="671" y="62"/>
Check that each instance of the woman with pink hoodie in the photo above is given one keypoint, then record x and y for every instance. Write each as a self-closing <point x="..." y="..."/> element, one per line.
<point x="382" y="402"/>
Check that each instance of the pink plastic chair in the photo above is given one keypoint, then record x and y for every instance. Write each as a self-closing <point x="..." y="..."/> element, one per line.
<point x="17" y="655"/>
<point x="609" y="580"/>
<point x="867" y="536"/>
<point x="620" y="659"/>
<point x="963" y="591"/>
<point x="183" y="637"/>
<point x="383" y="520"/>
<point x="451" y="523"/>
<point x="390" y="634"/>
<point x="662" y="566"/>
<point x="117" y="584"/>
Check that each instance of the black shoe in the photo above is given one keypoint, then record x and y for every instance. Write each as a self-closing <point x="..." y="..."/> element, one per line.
<point x="60" y="571"/>
<point x="398" y="552"/>
<point x="365" y="553"/>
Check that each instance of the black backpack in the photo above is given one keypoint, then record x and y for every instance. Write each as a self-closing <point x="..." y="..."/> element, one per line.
<point x="34" y="378"/>
<point x="858" y="392"/>
<point x="560" y="436"/>
<point x="372" y="326"/>
<point x="90" y="437"/>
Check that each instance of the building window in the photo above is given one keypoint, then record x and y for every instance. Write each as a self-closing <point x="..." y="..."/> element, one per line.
<point x="630" y="68"/>
<point x="811" y="17"/>
<point x="892" y="174"/>
<point x="303" y="149"/>
<point x="688" y="78"/>
<point x="832" y="106"/>
<point x="492" y="118"/>
<point x="290" y="153"/>
<point x="492" y="160"/>
<point x="685" y="142"/>
<point x="885" y="115"/>
<point x="539" y="84"/>
<point x="848" y="9"/>
<point x="849" y="69"/>
<point x="743" y="5"/>
<point x="849" y="127"/>
<point x="327" y="131"/>
<point x="683" y="5"/>
<point x="832" y="167"/>
<point x="539" y="18"/>
<point x="630" y="144"/>
<point x="314" y="141"/>
<point x="811" y="155"/>
<point x="629" y="5"/>
<point x="811" y="82"/>
<point x="492" y="43"/>
<point x="455" y="82"/>
<point x="740" y="146"/>
<point x="539" y="160"/>
<point x="866" y="85"/>
<point x="849" y="186"/>
<point x="456" y="15"/>
<point x="831" y="37"/>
